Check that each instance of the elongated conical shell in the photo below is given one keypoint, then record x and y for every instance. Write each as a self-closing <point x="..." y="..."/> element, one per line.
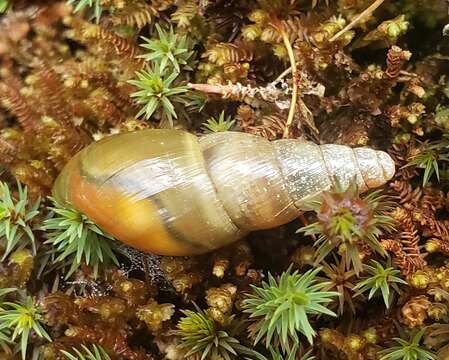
<point x="170" y="193"/>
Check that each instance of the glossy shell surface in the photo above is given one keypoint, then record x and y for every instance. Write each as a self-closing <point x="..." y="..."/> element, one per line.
<point x="169" y="192"/>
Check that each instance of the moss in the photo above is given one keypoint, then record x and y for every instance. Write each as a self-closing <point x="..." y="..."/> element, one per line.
<point x="74" y="72"/>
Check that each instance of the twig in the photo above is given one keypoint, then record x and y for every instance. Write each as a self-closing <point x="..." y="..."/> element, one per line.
<point x="238" y="91"/>
<point x="368" y="11"/>
<point x="281" y="76"/>
<point x="210" y="89"/>
<point x="291" y="113"/>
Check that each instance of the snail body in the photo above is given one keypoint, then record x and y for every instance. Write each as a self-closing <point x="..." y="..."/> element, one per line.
<point x="171" y="193"/>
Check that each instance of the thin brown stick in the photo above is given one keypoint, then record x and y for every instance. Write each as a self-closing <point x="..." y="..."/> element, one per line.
<point x="291" y="113"/>
<point x="368" y="11"/>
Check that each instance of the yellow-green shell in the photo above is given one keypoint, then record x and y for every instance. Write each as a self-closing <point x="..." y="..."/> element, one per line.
<point x="169" y="192"/>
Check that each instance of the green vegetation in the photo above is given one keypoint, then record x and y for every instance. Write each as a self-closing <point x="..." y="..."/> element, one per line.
<point x="281" y="308"/>
<point x="97" y="353"/>
<point x="22" y="319"/>
<point x="17" y="214"/>
<point x="83" y="4"/>
<point x="429" y="158"/>
<point x="4" y="4"/>
<point x="346" y="220"/>
<point x="157" y="91"/>
<point x="408" y="350"/>
<point x="169" y="49"/>
<point x="73" y="236"/>
<point x="366" y="267"/>
<point x="204" y="338"/>
<point x="219" y="125"/>
<point x="381" y="279"/>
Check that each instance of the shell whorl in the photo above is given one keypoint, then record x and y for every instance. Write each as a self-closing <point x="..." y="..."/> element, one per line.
<point x="263" y="184"/>
<point x="376" y="167"/>
<point x="309" y="168"/>
<point x="371" y="168"/>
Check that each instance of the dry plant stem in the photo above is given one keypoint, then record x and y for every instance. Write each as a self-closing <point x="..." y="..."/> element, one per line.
<point x="282" y="75"/>
<point x="368" y="11"/>
<point x="221" y="89"/>
<point x="239" y="91"/>
<point x="291" y="113"/>
<point x="209" y="88"/>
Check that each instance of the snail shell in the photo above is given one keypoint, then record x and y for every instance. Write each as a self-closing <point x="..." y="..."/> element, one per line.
<point x="171" y="193"/>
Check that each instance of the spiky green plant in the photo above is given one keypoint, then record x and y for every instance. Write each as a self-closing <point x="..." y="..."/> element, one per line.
<point x="97" y="353"/>
<point x="429" y="158"/>
<point x="408" y="350"/>
<point x="74" y="236"/>
<point x="4" y="4"/>
<point x="381" y="279"/>
<point x="196" y="102"/>
<point x="292" y="355"/>
<point x="5" y="333"/>
<point x="82" y="4"/>
<point x="201" y="336"/>
<point x="157" y="92"/>
<point x="22" y="319"/>
<point x="340" y="278"/>
<point x="219" y="125"/>
<point x="5" y="291"/>
<point x="281" y="308"/>
<point x="4" y="337"/>
<point x="169" y="48"/>
<point x="16" y="219"/>
<point x="345" y="220"/>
